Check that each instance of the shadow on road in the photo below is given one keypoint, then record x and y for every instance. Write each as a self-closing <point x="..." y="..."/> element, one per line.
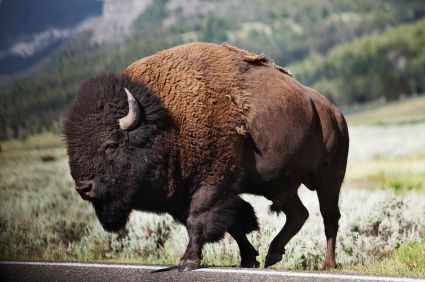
<point x="165" y="269"/>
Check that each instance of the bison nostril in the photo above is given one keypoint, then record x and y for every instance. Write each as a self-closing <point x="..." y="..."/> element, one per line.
<point x="86" y="189"/>
<point x="83" y="186"/>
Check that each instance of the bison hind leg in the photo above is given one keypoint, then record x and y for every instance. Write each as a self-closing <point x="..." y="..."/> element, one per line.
<point x="328" y="194"/>
<point x="327" y="182"/>
<point x="296" y="215"/>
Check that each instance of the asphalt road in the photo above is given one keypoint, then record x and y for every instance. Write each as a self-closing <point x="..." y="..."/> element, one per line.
<point x="57" y="271"/>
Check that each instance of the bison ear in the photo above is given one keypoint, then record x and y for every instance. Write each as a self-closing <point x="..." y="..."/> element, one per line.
<point x="133" y="117"/>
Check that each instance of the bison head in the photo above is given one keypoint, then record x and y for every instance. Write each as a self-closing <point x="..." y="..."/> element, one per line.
<point x="110" y="131"/>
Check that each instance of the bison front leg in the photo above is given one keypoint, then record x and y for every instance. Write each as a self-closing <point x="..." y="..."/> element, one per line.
<point x="244" y="223"/>
<point x="192" y="257"/>
<point x="248" y="252"/>
<point x="212" y="212"/>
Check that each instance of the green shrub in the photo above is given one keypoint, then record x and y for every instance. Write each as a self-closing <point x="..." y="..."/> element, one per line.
<point x="412" y="256"/>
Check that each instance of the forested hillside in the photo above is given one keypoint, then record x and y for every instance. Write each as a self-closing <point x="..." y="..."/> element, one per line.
<point x="390" y="65"/>
<point x="352" y="51"/>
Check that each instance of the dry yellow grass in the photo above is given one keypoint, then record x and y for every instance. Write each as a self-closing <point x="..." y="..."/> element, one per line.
<point x="37" y="141"/>
<point x="398" y="112"/>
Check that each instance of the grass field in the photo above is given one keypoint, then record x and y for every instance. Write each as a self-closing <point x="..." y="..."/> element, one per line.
<point x="38" y="141"/>
<point x="410" y="111"/>
<point x="382" y="204"/>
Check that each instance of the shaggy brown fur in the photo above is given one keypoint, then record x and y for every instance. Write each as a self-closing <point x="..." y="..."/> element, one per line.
<point x="218" y="121"/>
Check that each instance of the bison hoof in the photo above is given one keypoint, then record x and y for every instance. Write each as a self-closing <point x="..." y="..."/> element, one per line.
<point x="272" y="259"/>
<point x="251" y="263"/>
<point x="188" y="266"/>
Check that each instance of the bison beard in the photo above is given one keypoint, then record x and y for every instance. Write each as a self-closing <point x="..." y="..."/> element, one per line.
<point x="189" y="129"/>
<point x="113" y="214"/>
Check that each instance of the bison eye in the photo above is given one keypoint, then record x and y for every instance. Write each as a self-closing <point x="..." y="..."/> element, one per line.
<point x="108" y="146"/>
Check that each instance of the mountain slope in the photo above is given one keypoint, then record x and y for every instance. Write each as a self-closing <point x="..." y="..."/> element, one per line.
<point x="29" y="30"/>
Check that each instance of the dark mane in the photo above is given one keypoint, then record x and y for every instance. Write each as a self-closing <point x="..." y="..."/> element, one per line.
<point x="136" y="160"/>
<point x="101" y="101"/>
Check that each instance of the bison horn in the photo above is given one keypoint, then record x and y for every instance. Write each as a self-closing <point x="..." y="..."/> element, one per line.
<point x="133" y="116"/>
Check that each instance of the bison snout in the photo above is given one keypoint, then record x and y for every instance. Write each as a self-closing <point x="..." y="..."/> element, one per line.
<point x="86" y="189"/>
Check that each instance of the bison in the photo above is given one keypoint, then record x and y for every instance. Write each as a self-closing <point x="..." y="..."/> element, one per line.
<point x="187" y="130"/>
